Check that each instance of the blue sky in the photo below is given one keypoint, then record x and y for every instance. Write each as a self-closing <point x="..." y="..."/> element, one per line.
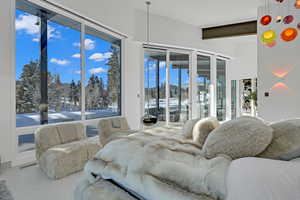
<point x="64" y="52"/>
<point x="162" y="74"/>
<point x="63" y="49"/>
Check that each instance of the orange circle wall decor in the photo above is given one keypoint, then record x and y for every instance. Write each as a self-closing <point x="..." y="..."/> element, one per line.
<point x="289" y="34"/>
<point x="297" y="4"/>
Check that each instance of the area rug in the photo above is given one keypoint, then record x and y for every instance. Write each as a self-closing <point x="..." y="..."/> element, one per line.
<point x="4" y="192"/>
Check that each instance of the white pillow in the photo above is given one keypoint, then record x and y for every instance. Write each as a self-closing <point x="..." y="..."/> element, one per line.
<point x="239" y="138"/>
<point x="263" y="179"/>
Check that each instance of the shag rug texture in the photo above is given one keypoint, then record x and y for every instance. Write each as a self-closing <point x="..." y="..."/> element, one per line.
<point x="4" y="192"/>
<point x="161" y="168"/>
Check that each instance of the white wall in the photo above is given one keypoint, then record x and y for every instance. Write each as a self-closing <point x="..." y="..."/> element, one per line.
<point x="244" y="64"/>
<point x="164" y="30"/>
<point x="117" y="14"/>
<point x="283" y="101"/>
<point x="7" y="133"/>
<point x="133" y="87"/>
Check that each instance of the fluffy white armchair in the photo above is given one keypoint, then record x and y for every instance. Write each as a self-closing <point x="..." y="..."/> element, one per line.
<point x="64" y="149"/>
<point x="112" y="128"/>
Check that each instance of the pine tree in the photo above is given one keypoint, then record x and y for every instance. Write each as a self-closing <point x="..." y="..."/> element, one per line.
<point x="28" y="89"/>
<point x="114" y="75"/>
<point x="55" y="93"/>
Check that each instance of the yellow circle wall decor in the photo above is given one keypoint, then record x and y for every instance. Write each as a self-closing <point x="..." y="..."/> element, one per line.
<point x="289" y="34"/>
<point x="268" y="37"/>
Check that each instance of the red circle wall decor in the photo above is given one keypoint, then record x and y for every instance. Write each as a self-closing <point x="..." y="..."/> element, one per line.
<point x="288" y="19"/>
<point x="289" y="34"/>
<point x="272" y="44"/>
<point x="265" y="20"/>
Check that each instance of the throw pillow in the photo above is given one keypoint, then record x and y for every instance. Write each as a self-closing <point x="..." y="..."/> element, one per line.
<point x="243" y="137"/>
<point x="286" y="142"/>
<point x="203" y="128"/>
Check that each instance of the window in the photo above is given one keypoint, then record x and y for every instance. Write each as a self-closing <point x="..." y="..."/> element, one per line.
<point x="203" y="83"/>
<point x="221" y="90"/>
<point x="103" y="75"/>
<point x="47" y="73"/>
<point x="27" y="69"/>
<point x="155" y="83"/>
<point x="49" y="69"/>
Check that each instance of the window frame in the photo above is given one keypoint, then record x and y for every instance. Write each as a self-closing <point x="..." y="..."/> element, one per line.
<point x="28" y="156"/>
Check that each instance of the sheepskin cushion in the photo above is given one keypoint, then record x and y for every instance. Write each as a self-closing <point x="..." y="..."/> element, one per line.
<point x="286" y="142"/>
<point x="243" y="137"/>
<point x="187" y="129"/>
<point x="203" y="128"/>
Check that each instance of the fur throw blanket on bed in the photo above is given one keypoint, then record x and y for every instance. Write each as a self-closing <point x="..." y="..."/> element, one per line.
<point x="164" y="168"/>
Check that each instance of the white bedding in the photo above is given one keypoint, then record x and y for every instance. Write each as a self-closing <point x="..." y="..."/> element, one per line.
<point x="161" y="168"/>
<point x="263" y="179"/>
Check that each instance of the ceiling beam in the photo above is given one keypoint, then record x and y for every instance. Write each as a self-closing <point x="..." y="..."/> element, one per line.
<point x="230" y="30"/>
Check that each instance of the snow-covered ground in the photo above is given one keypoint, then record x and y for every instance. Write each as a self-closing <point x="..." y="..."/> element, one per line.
<point x="26" y="142"/>
<point x="33" y="119"/>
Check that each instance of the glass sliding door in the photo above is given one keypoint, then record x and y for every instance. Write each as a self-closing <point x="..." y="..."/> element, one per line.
<point x="179" y="87"/>
<point x="155" y="83"/>
<point x="233" y="99"/>
<point x="221" y="90"/>
<point x="203" y="83"/>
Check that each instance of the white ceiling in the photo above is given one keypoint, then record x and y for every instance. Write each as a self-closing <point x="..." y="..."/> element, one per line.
<point x="203" y="13"/>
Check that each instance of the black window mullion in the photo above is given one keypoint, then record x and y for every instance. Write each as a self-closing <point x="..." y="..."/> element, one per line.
<point x="44" y="69"/>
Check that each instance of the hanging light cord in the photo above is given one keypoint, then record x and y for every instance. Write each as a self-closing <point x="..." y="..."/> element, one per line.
<point x="148" y="3"/>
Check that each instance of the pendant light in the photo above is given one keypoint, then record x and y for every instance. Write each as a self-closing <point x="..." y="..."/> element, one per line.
<point x="148" y="119"/>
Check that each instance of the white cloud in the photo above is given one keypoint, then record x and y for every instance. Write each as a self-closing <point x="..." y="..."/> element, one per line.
<point x="53" y="33"/>
<point x="153" y="65"/>
<point x="88" y="43"/>
<point x="162" y="64"/>
<point x="98" y="57"/>
<point x="29" y="24"/>
<point x="76" y="55"/>
<point x="78" y="72"/>
<point x="59" y="62"/>
<point x="97" y="70"/>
